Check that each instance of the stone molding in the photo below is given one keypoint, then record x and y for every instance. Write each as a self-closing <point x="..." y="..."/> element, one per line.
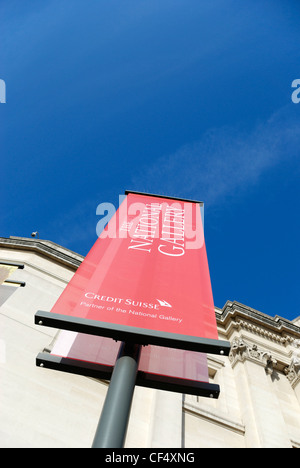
<point x="47" y="248"/>
<point x="236" y="316"/>
<point x="242" y="351"/>
<point x="293" y="370"/>
<point x="214" y="417"/>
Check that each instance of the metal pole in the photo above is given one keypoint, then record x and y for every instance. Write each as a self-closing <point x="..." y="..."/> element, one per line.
<point x="112" y="426"/>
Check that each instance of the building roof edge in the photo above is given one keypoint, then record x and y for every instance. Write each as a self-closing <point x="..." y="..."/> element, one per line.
<point x="44" y="247"/>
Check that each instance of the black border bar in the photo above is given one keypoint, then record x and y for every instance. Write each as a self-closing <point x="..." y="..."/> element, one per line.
<point x="163" y="196"/>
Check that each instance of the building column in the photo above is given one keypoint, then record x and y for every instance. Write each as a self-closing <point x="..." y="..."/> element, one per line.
<point x="260" y="409"/>
<point x="166" y="420"/>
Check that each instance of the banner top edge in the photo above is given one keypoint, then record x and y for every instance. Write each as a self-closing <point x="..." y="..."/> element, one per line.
<point x="127" y="192"/>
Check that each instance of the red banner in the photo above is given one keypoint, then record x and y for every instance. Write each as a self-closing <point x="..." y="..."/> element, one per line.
<point x="162" y="368"/>
<point x="146" y="275"/>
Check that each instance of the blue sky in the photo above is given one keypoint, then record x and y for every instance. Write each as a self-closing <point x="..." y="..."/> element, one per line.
<point x="184" y="98"/>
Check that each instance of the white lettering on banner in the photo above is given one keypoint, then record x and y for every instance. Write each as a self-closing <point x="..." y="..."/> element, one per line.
<point x="175" y="252"/>
<point x="146" y="228"/>
<point x="91" y="295"/>
<point x="143" y="314"/>
<point x="141" y="304"/>
<point x="119" y="300"/>
<point x="132" y="311"/>
<point x="93" y="306"/>
<point x="131" y="302"/>
<point x="172" y="236"/>
<point x="174" y="319"/>
<point x="173" y="233"/>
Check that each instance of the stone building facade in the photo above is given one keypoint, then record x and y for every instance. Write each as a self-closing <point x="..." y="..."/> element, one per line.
<point x="259" y="403"/>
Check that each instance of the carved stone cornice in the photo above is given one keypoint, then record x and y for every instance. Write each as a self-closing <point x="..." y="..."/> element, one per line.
<point x="293" y="375"/>
<point x="293" y="370"/>
<point x="242" y="351"/>
<point x="45" y="248"/>
<point x="236" y="316"/>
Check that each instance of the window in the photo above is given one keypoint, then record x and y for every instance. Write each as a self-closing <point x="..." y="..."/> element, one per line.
<point x="8" y="286"/>
<point x="6" y="270"/>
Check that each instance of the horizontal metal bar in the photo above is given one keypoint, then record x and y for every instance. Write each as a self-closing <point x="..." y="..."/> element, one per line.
<point x="144" y="379"/>
<point x="20" y="283"/>
<point x="136" y="335"/>
<point x="18" y="265"/>
<point x="74" y="366"/>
